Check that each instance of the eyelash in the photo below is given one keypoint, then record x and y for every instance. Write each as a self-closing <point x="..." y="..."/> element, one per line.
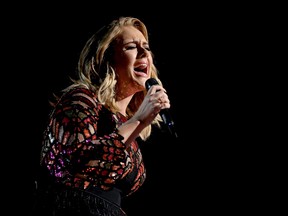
<point x="133" y="47"/>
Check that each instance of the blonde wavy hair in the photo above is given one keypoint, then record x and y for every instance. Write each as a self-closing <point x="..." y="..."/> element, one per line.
<point x="96" y="73"/>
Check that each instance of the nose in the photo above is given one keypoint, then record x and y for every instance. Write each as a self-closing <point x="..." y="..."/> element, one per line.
<point x="142" y="51"/>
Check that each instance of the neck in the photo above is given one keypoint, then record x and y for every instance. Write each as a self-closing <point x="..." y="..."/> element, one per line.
<point x="123" y="104"/>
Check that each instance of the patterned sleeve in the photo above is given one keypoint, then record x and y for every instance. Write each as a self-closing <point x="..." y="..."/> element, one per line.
<point x="81" y="145"/>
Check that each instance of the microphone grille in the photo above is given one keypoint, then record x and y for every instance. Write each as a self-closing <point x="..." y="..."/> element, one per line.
<point x="150" y="82"/>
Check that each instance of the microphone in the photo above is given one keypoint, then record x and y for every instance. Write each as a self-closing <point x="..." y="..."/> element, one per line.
<point x="164" y="113"/>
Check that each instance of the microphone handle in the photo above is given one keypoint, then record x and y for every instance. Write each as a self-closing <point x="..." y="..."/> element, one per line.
<point x="165" y="115"/>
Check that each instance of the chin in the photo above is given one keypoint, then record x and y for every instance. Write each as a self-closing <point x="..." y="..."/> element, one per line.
<point x="142" y="81"/>
<point x="140" y="84"/>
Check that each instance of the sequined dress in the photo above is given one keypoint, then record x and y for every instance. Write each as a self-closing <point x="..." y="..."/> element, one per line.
<point x="86" y="166"/>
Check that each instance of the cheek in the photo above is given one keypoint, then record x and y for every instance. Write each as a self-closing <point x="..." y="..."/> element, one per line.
<point x="150" y="59"/>
<point x="123" y="61"/>
<point x="121" y="68"/>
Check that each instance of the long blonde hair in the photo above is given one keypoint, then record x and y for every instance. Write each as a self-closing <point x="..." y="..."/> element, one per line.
<point x="96" y="73"/>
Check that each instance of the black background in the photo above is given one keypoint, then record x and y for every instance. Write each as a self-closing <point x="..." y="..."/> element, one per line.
<point x="202" y="56"/>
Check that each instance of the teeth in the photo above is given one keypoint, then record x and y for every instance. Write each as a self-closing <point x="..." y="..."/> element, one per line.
<point x="142" y="66"/>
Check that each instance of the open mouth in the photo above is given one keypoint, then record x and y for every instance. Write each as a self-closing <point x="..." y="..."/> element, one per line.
<point x="141" y="69"/>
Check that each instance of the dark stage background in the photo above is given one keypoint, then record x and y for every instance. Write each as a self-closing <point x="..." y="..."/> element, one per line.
<point x="202" y="59"/>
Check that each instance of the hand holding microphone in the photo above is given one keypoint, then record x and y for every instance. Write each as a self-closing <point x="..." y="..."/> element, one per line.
<point x="164" y="113"/>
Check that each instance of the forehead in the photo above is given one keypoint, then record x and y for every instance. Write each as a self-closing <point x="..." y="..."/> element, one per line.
<point x="130" y="33"/>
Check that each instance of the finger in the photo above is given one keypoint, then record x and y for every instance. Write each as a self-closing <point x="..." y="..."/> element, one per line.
<point x="156" y="89"/>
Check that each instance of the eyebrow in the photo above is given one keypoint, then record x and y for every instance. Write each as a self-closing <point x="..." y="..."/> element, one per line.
<point x="134" y="41"/>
